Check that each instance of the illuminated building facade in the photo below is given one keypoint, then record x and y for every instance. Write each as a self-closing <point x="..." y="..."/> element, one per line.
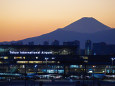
<point x="51" y="59"/>
<point x="42" y="59"/>
<point x="88" y="47"/>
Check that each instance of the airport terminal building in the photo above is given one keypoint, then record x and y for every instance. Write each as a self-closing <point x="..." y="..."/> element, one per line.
<point x="52" y="59"/>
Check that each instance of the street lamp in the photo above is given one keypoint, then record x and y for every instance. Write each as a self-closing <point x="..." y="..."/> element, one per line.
<point x="93" y="73"/>
<point x="113" y="58"/>
<point x="35" y="71"/>
<point x="46" y="63"/>
<point x="35" y="66"/>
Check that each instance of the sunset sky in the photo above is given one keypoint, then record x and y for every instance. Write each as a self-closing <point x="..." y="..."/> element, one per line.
<point x="20" y="19"/>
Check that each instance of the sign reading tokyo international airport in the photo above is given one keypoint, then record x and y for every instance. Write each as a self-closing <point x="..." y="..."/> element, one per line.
<point x="31" y="52"/>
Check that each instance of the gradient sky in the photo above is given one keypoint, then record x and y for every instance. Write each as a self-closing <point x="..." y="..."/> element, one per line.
<point x="20" y="19"/>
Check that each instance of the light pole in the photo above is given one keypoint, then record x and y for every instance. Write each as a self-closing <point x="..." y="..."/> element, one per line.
<point x="25" y="74"/>
<point x="112" y="59"/>
<point x="93" y="75"/>
<point x="46" y="63"/>
<point x="35" y="71"/>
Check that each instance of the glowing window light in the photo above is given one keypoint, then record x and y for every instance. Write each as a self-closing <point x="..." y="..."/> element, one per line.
<point x="94" y="66"/>
<point x="22" y="62"/>
<point x="35" y="62"/>
<point x="5" y="57"/>
<point x="90" y="71"/>
<point x="1" y="62"/>
<point x="49" y="62"/>
<point x="23" y="66"/>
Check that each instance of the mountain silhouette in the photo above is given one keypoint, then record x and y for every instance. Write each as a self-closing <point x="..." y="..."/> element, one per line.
<point x="98" y="33"/>
<point x="64" y="36"/>
<point x="86" y="25"/>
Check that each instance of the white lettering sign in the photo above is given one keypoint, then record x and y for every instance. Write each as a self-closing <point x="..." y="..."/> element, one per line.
<point x="31" y="52"/>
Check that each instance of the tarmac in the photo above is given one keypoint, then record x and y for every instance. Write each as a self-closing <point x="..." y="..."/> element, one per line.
<point x="58" y="83"/>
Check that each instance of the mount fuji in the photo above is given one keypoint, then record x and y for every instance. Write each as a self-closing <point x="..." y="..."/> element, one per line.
<point x="86" y="28"/>
<point x="86" y="25"/>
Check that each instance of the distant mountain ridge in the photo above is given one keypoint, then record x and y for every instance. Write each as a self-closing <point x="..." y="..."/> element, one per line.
<point x="104" y="34"/>
<point x="86" y="25"/>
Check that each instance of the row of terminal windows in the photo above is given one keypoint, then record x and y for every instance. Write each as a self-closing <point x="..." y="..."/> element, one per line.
<point x="3" y="57"/>
<point x="37" y="62"/>
<point x="33" y="62"/>
<point x="20" y="57"/>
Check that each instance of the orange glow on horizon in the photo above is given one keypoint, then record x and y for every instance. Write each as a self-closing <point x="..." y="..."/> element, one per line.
<point x="20" y="19"/>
